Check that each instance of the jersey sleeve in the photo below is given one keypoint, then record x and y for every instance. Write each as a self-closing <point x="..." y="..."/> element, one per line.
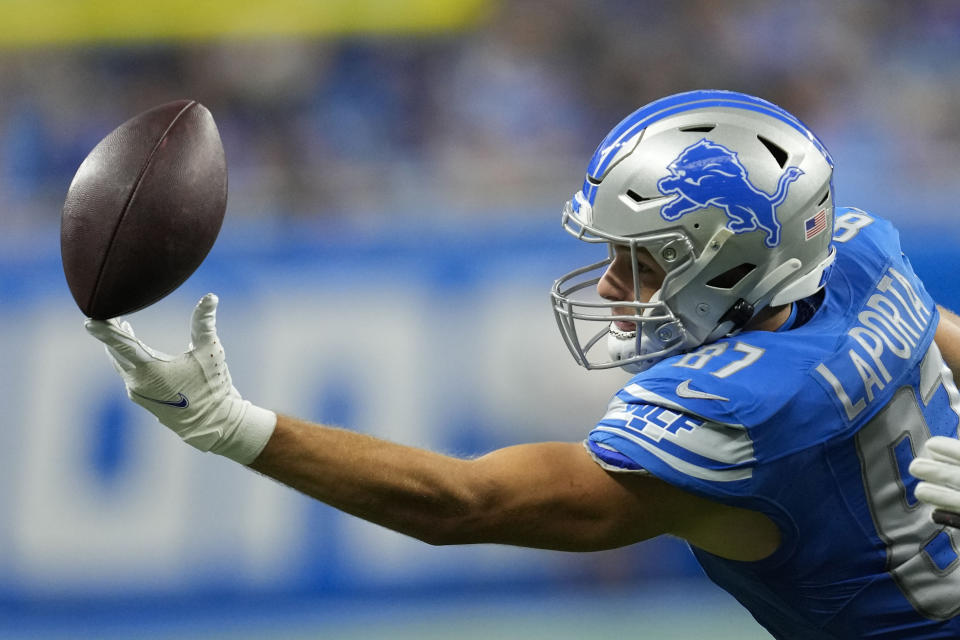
<point x="644" y="431"/>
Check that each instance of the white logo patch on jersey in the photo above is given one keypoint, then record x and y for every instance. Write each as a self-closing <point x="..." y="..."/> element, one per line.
<point x="691" y="445"/>
<point x="684" y="391"/>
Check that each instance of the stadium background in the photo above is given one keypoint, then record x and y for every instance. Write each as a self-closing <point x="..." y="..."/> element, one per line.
<point x="396" y="176"/>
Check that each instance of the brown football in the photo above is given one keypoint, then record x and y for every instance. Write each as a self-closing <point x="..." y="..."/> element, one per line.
<point x="144" y="209"/>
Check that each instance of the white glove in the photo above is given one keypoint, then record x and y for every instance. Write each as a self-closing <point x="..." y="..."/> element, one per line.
<point x="191" y="393"/>
<point x="938" y="468"/>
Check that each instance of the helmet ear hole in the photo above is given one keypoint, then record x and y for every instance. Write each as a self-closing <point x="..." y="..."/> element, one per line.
<point x="731" y="277"/>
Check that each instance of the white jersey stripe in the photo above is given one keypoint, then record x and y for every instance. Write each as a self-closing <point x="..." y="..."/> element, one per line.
<point x="715" y="475"/>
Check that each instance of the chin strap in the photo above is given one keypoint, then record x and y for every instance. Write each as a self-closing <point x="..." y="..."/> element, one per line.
<point x="731" y="322"/>
<point x="738" y="315"/>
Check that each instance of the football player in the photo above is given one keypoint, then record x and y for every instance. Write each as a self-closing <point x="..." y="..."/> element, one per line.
<point x="787" y="364"/>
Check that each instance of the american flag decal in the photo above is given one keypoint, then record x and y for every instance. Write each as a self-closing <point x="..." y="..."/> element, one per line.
<point x="815" y="224"/>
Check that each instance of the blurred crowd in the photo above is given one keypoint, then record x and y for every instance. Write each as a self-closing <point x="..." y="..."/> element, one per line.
<point x="502" y="116"/>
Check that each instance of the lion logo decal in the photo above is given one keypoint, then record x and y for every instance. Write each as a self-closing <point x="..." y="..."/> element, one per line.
<point x="708" y="174"/>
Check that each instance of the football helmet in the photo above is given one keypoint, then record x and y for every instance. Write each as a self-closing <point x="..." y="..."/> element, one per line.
<point x="733" y="198"/>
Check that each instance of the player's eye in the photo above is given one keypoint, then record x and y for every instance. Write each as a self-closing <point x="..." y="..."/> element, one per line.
<point x="643" y="265"/>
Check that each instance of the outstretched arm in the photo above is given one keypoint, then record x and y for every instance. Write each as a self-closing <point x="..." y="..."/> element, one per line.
<point x="547" y="495"/>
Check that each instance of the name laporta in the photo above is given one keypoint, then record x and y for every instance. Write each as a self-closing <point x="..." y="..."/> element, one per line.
<point x="890" y="327"/>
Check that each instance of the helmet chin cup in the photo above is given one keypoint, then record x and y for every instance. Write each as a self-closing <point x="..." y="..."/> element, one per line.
<point x="635" y="352"/>
<point x="638" y="350"/>
<point x="622" y="347"/>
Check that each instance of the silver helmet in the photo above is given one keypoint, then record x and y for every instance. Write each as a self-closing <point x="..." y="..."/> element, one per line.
<point x="732" y="197"/>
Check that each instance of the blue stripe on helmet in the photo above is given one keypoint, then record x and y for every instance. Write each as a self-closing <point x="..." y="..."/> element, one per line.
<point x="679" y="103"/>
<point x="589" y="191"/>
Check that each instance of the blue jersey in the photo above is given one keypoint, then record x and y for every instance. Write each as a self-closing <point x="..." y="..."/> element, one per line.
<point x="815" y="427"/>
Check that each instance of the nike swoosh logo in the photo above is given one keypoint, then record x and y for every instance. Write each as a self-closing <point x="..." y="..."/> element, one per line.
<point x="181" y="402"/>
<point x="684" y="391"/>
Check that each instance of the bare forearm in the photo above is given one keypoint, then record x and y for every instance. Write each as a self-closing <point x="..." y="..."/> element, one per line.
<point x="413" y="491"/>
<point x="544" y="495"/>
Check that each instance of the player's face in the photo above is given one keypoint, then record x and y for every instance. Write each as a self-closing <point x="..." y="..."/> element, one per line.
<point x="617" y="282"/>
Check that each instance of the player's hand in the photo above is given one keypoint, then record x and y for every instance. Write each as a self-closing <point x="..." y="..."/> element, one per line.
<point x="938" y="469"/>
<point x="191" y="393"/>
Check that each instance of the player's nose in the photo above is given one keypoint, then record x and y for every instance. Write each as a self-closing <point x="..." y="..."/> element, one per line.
<point x="617" y="282"/>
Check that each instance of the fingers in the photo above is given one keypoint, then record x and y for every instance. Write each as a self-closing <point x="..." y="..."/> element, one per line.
<point x="941" y="473"/>
<point x="123" y="347"/>
<point x="944" y="449"/>
<point x="125" y="326"/>
<point x="938" y="469"/>
<point x="128" y="352"/>
<point x="939" y="497"/>
<point x="203" y="326"/>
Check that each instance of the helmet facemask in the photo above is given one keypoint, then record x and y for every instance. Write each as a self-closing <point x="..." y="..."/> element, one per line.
<point x="588" y="322"/>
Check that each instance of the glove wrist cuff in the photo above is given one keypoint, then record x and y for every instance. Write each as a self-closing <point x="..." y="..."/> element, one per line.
<point x="244" y="443"/>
